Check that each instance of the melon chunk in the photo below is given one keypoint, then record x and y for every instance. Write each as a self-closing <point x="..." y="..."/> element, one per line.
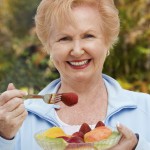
<point x="97" y="134"/>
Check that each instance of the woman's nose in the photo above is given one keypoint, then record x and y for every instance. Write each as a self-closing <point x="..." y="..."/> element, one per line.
<point x="77" y="49"/>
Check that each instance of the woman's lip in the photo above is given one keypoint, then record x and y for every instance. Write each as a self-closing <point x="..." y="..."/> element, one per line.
<point x="78" y="60"/>
<point x="79" y="64"/>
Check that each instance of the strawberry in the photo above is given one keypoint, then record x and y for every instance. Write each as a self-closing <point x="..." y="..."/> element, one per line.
<point x="79" y="134"/>
<point x="99" y="123"/>
<point x="85" y="128"/>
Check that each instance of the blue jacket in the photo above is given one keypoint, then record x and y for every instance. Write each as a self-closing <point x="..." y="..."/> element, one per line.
<point x="129" y="108"/>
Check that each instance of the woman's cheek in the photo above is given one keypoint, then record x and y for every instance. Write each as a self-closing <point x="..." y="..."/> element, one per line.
<point x="58" y="54"/>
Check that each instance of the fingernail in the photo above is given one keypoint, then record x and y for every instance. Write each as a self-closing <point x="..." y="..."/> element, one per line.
<point x="10" y="84"/>
<point x="118" y="124"/>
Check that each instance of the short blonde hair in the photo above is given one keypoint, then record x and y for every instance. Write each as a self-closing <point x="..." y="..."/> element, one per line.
<point x="56" y="12"/>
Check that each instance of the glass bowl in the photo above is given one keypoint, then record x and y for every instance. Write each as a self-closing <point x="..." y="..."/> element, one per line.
<point x="60" y="144"/>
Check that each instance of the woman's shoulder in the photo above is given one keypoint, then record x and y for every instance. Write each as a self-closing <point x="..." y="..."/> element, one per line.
<point x="137" y="95"/>
<point x="114" y="87"/>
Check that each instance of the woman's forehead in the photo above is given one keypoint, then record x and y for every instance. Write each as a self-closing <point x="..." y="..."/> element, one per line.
<point x="78" y="13"/>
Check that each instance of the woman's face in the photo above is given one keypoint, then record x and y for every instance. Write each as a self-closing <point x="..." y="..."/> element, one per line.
<point x="78" y="52"/>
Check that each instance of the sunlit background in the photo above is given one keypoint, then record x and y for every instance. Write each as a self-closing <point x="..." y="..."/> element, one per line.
<point x="23" y="62"/>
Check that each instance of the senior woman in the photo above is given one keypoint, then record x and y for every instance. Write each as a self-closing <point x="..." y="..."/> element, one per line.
<point x="78" y="35"/>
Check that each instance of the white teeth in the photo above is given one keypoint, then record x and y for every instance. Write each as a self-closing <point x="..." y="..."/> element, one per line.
<point x="79" y="63"/>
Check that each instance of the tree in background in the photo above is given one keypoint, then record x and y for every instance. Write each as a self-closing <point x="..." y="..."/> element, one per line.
<point x="21" y="58"/>
<point x="132" y="53"/>
<point x="23" y="62"/>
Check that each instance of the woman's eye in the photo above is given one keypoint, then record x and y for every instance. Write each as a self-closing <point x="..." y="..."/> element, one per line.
<point x="88" y="36"/>
<point x="65" y="39"/>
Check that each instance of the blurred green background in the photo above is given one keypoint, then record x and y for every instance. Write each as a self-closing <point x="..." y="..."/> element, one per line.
<point x="23" y="62"/>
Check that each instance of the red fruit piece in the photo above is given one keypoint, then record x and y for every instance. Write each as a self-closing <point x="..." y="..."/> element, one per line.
<point x="85" y="128"/>
<point x="64" y="137"/>
<point x="99" y="123"/>
<point x="75" y="139"/>
<point x="78" y="134"/>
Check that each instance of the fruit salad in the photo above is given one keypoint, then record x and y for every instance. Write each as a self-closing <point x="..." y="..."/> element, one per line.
<point x="100" y="138"/>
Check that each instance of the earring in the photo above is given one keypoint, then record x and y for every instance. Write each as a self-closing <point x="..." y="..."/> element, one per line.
<point x="108" y="53"/>
<point x="50" y="58"/>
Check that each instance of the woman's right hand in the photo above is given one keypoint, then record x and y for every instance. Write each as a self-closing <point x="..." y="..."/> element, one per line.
<point x="12" y="112"/>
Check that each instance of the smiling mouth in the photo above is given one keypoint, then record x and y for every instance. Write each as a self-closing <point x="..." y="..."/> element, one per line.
<point x="79" y="63"/>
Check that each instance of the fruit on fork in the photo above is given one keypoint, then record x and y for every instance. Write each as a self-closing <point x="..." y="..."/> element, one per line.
<point x="68" y="99"/>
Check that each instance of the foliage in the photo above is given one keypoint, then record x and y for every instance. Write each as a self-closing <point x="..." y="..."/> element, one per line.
<point x="23" y="62"/>
<point x="132" y="53"/>
<point x="21" y="59"/>
<point x="20" y="16"/>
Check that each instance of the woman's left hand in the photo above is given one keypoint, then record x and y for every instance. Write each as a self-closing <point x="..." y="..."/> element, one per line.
<point x="128" y="140"/>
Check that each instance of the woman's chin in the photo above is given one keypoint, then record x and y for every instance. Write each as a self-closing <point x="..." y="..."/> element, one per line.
<point x="81" y="78"/>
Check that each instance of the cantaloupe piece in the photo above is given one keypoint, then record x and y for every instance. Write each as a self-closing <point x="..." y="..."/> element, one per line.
<point x="97" y="134"/>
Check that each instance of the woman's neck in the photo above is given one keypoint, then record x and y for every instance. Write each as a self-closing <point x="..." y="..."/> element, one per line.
<point x="81" y="87"/>
<point x="87" y="91"/>
<point x="92" y="103"/>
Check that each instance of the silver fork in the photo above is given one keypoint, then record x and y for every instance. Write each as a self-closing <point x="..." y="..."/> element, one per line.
<point x="47" y="98"/>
